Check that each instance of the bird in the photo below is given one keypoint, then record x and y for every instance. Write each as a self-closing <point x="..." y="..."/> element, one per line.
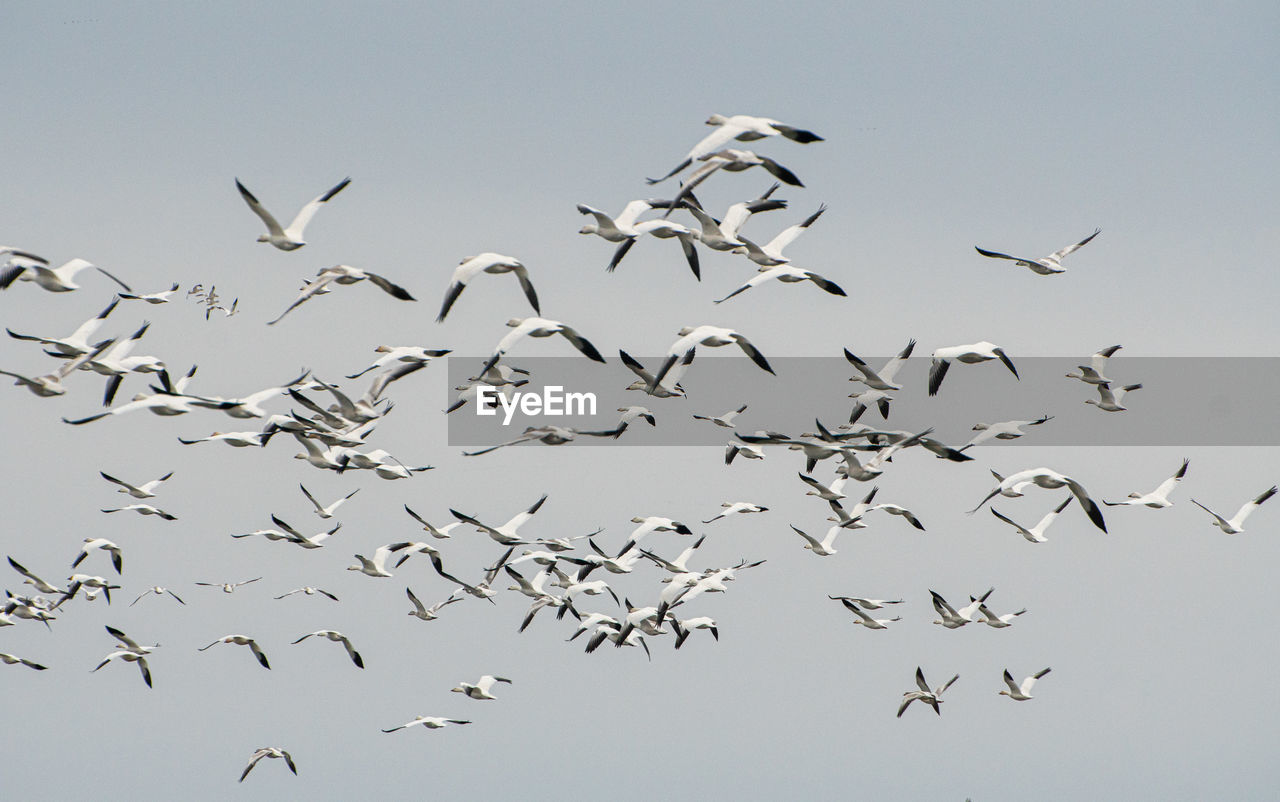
<point x="725" y="420"/>
<point x="884" y="379"/>
<point x="50" y="384"/>
<point x="269" y="751"/>
<point x="429" y="722"/>
<point x="951" y="618"/>
<point x="401" y="353"/>
<point x="436" y="532"/>
<point x="894" y="509"/>
<point x="157" y="590"/>
<point x="787" y="274"/>
<point x="1036" y="533"/>
<point x="541" y="327"/>
<point x="743" y="128"/>
<point x="631" y="413"/>
<point x="929" y="697"/>
<point x="336" y="637"/>
<point x="548" y="435"/>
<point x="431" y="613"/>
<point x="241" y="640"/>
<point x="670" y="385"/>
<point x="1045" y="266"/>
<point x="480" y="690"/>
<point x="866" y="620"/>
<point x="1013" y="485"/>
<point x="969" y="355"/>
<point x="1157" y="498"/>
<point x="1108" y="399"/>
<point x="310" y="591"/>
<point x="56" y="279"/>
<point x="737" y="506"/>
<point x="998" y="621"/>
<point x="137" y="491"/>
<point x="342" y="275"/>
<point x="151" y="298"/>
<point x="31" y="579"/>
<point x="228" y="587"/>
<point x="733" y="160"/>
<point x="1022" y="692"/>
<point x="686" y="626"/>
<point x="326" y="512"/>
<point x="506" y="534"/>
<point x="377" y="566"/>
<point x="663" y="229"/>
<point x="1094" y="373"/>
<point x="145" y="509"/>
<point x="732" y="450"/>
<point x="290" y="238"/>
<point x="712" y="336"/>
<point x="1004" y="430"/>
<point x="75" y="343"/>
<point x="619" y="229"/>
<point x="92" y="543"/>
<point x="14" y="660"/>
<point x="494" y="263"/>
<point x="826" y="546"/>
<point x="866" y="604"/>
<point x="770" y="253"/>
<point x="1235" y="525"/>
<point x="130" y="651"/>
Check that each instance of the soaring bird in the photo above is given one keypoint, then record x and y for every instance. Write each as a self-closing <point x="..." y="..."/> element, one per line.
<point x="288" y="239"/>
<point x="494" y="263"/>
<point x="1045" y="266"/>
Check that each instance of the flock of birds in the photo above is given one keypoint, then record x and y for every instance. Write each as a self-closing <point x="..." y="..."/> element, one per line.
<point x="574" y="576"/>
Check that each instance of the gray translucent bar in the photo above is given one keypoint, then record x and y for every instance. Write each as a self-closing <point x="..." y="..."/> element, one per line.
<point x="1184" y="401"/>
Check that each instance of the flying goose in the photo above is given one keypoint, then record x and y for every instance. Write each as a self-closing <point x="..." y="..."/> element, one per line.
<point x="740" y="127"/>
<point x="1045" y="266"/>
<point x="269" y="751"/>
<point x="57" y="279"/>
<point x="494" y="263"/>
<point x="969" y="355"/>
<point x="287" y="239"/>
<point x="929" y="697"/>
<point x="1235" y="525"/>
<point x="1157" y="498"/>
<point x="342" y="275"/>
<point x="1022" y="692"/>
<point x="1036" y="533"/>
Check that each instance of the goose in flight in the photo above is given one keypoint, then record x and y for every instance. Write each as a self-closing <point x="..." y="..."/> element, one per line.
<point x="540" y="327"/>
<point x="969" y="355"/>
<point x="13" y="660"/>
<point x="157" y="590"/>
<point x="129" y="651"/>
<point x="1157" y="498"/>
<point x="57" y="279"/>
<point x="137" y="491"/>
<point x="770" y="253"/>
<point x="549" y="435"/>
<point x="1013" y="485"/>
<point x="787" y="274"/>
<point x="725" y="420"/>
<point x="663" y="229"/>
<point x="1108" y="400"/>
<point x="722" y="235"/>
<point x="425" y="613"/>
<point x="336" y="637"/>
<point x="1004" y="430"/>
<point x="269" y="751"/>
<point x="31" y="579"/>
<point x="884" y="379"/>
<point x="342" y="275"/>
<point x="410" y="354"/>
<point x="732" y="450"/>
<point x="1021" y="692"/>
<point x="480" y="690"/>
<point x="429" y="722"/>
<point x="1045" y="266"/>
<point x="740" y="127"/>
<point x="228" y="587"/>
<point x="998" y="621"/>
<point x="494" y="263"/>
<point x="75" y="343"/>
<point x="1095" y="372"/>
<point x="826" y="546"/>
<point x="735" y="507"/>
<point x="288" y="239"/>
<point x="440" y="533"/>
<point x="241" y="640"/>
<point x="732" y="160"/>
<point x="310" y="591"/>
<point x="711" y="336"/>
<point x="50" y="384"/>
<point x="929" y="697"/>
<point x="1235" y="525"/>
<point x="866" y="620"/>
<point x="145" y="509"/>
<point x="950" y="617"/>
<point x="506" y="534"/>
<point x="95" y="543"/>
<point x="866" y="604"/>
<point x="298" y="539"/>
<point x="670" y="385"/>
<point x="1036" y="533"/>
<point x="620" y="229"/>
<point x="377" y="566"/>
<point x="151" y="297"/>
<point x="322" y="511"/>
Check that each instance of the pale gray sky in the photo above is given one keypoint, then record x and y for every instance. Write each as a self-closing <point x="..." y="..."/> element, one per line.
<point x="467" y="129"/>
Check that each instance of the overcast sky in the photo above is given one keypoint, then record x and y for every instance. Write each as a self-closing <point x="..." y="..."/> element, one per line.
<point x="472" y="128"/>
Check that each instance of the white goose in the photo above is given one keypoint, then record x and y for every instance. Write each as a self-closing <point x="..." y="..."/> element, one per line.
<point x="725" y="420"/>
<point x="505" y="534"/>
<point x="1021" y="692"/>
<point x="967" y="354"/>
<point x="342" y="275"/>
<point x="1157" y="498"/>
<point x="770" y="253"/>
<point x="1004" y="430"/>
<point x="740" y="127"/>
<point x="866" y="620"/>
<point x="480" y="690"/>
<point x="824" y="547"/>
<point x="1108" y="400"/>
<point x="269" y="751"/>
<point x="145" y="509"/>
<point x="711" y="336"/>
<point x="290" y="238"/>
<point x="377" y="566"/>
<point x="929" y="697"/>
<point x="75" y="343"/>
<point x="421" y="611"/>
<point x="137" y="491"/>
<point x="1095" y="372"/>
<point x="787" y="274"/>
<point x="100" y="543"/>
<point x="1045" y="266"/>
<point x="57" y="279"/>
<point x="336" y="637"/>
<point x="440" y="533"/>
<point x="1036" y="533"/>
<point x="13" y="660"/>
<point x="428" y="722"/>
<point x="241" y="640"/>
<point x="487" y="262"/>
<point x="1235" y="525"/>
<point x="50" y="384"/>
<point x="733" y="507"/>
<point x="323" y="511"/>
<point x="1013" y="485"/>
<point x="541" y="327"/>
<point x="161" y="297"/>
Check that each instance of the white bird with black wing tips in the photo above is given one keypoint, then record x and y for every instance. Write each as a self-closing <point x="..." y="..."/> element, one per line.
<point x="967" y="354"/>
<point x="1235" y="524"/>
<point x="540" y="327"/>
<point x="137" y="491"/>
<point x="1004" y="430"/>
<point x="342" y="275"/>
<point x="770" y="253"/>
<point x="1157" y="498"/>
<point x="737" y="507"/>
<point x="242" y="640"/>
<point x="269" y="752"/>
<point x="740" y="127"/>
<point x="690" y="337"/>
<point x="1045" y="266"/>
<point x="290" y="238"/>
<point x="75" y="343"/>
<point x="336" y="637"/>
<point x="428" y="722"/>
<point x="161" y="297"/>
<point x="1095" y="372"/>
<point x="1021" y="692"/>
<point x="481" y="689"/>
<point x="326" y="512"/>
<point x="1036" y="533"/>
<point x="1013" y="485"/>
<point x="787" y="274"/>
<point x="493" y="263"/>
<point x="929" y="697"/>
<point x="96" y="543"/>
<point x="57" y="279"/>
<point x="1109" y="400"/>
